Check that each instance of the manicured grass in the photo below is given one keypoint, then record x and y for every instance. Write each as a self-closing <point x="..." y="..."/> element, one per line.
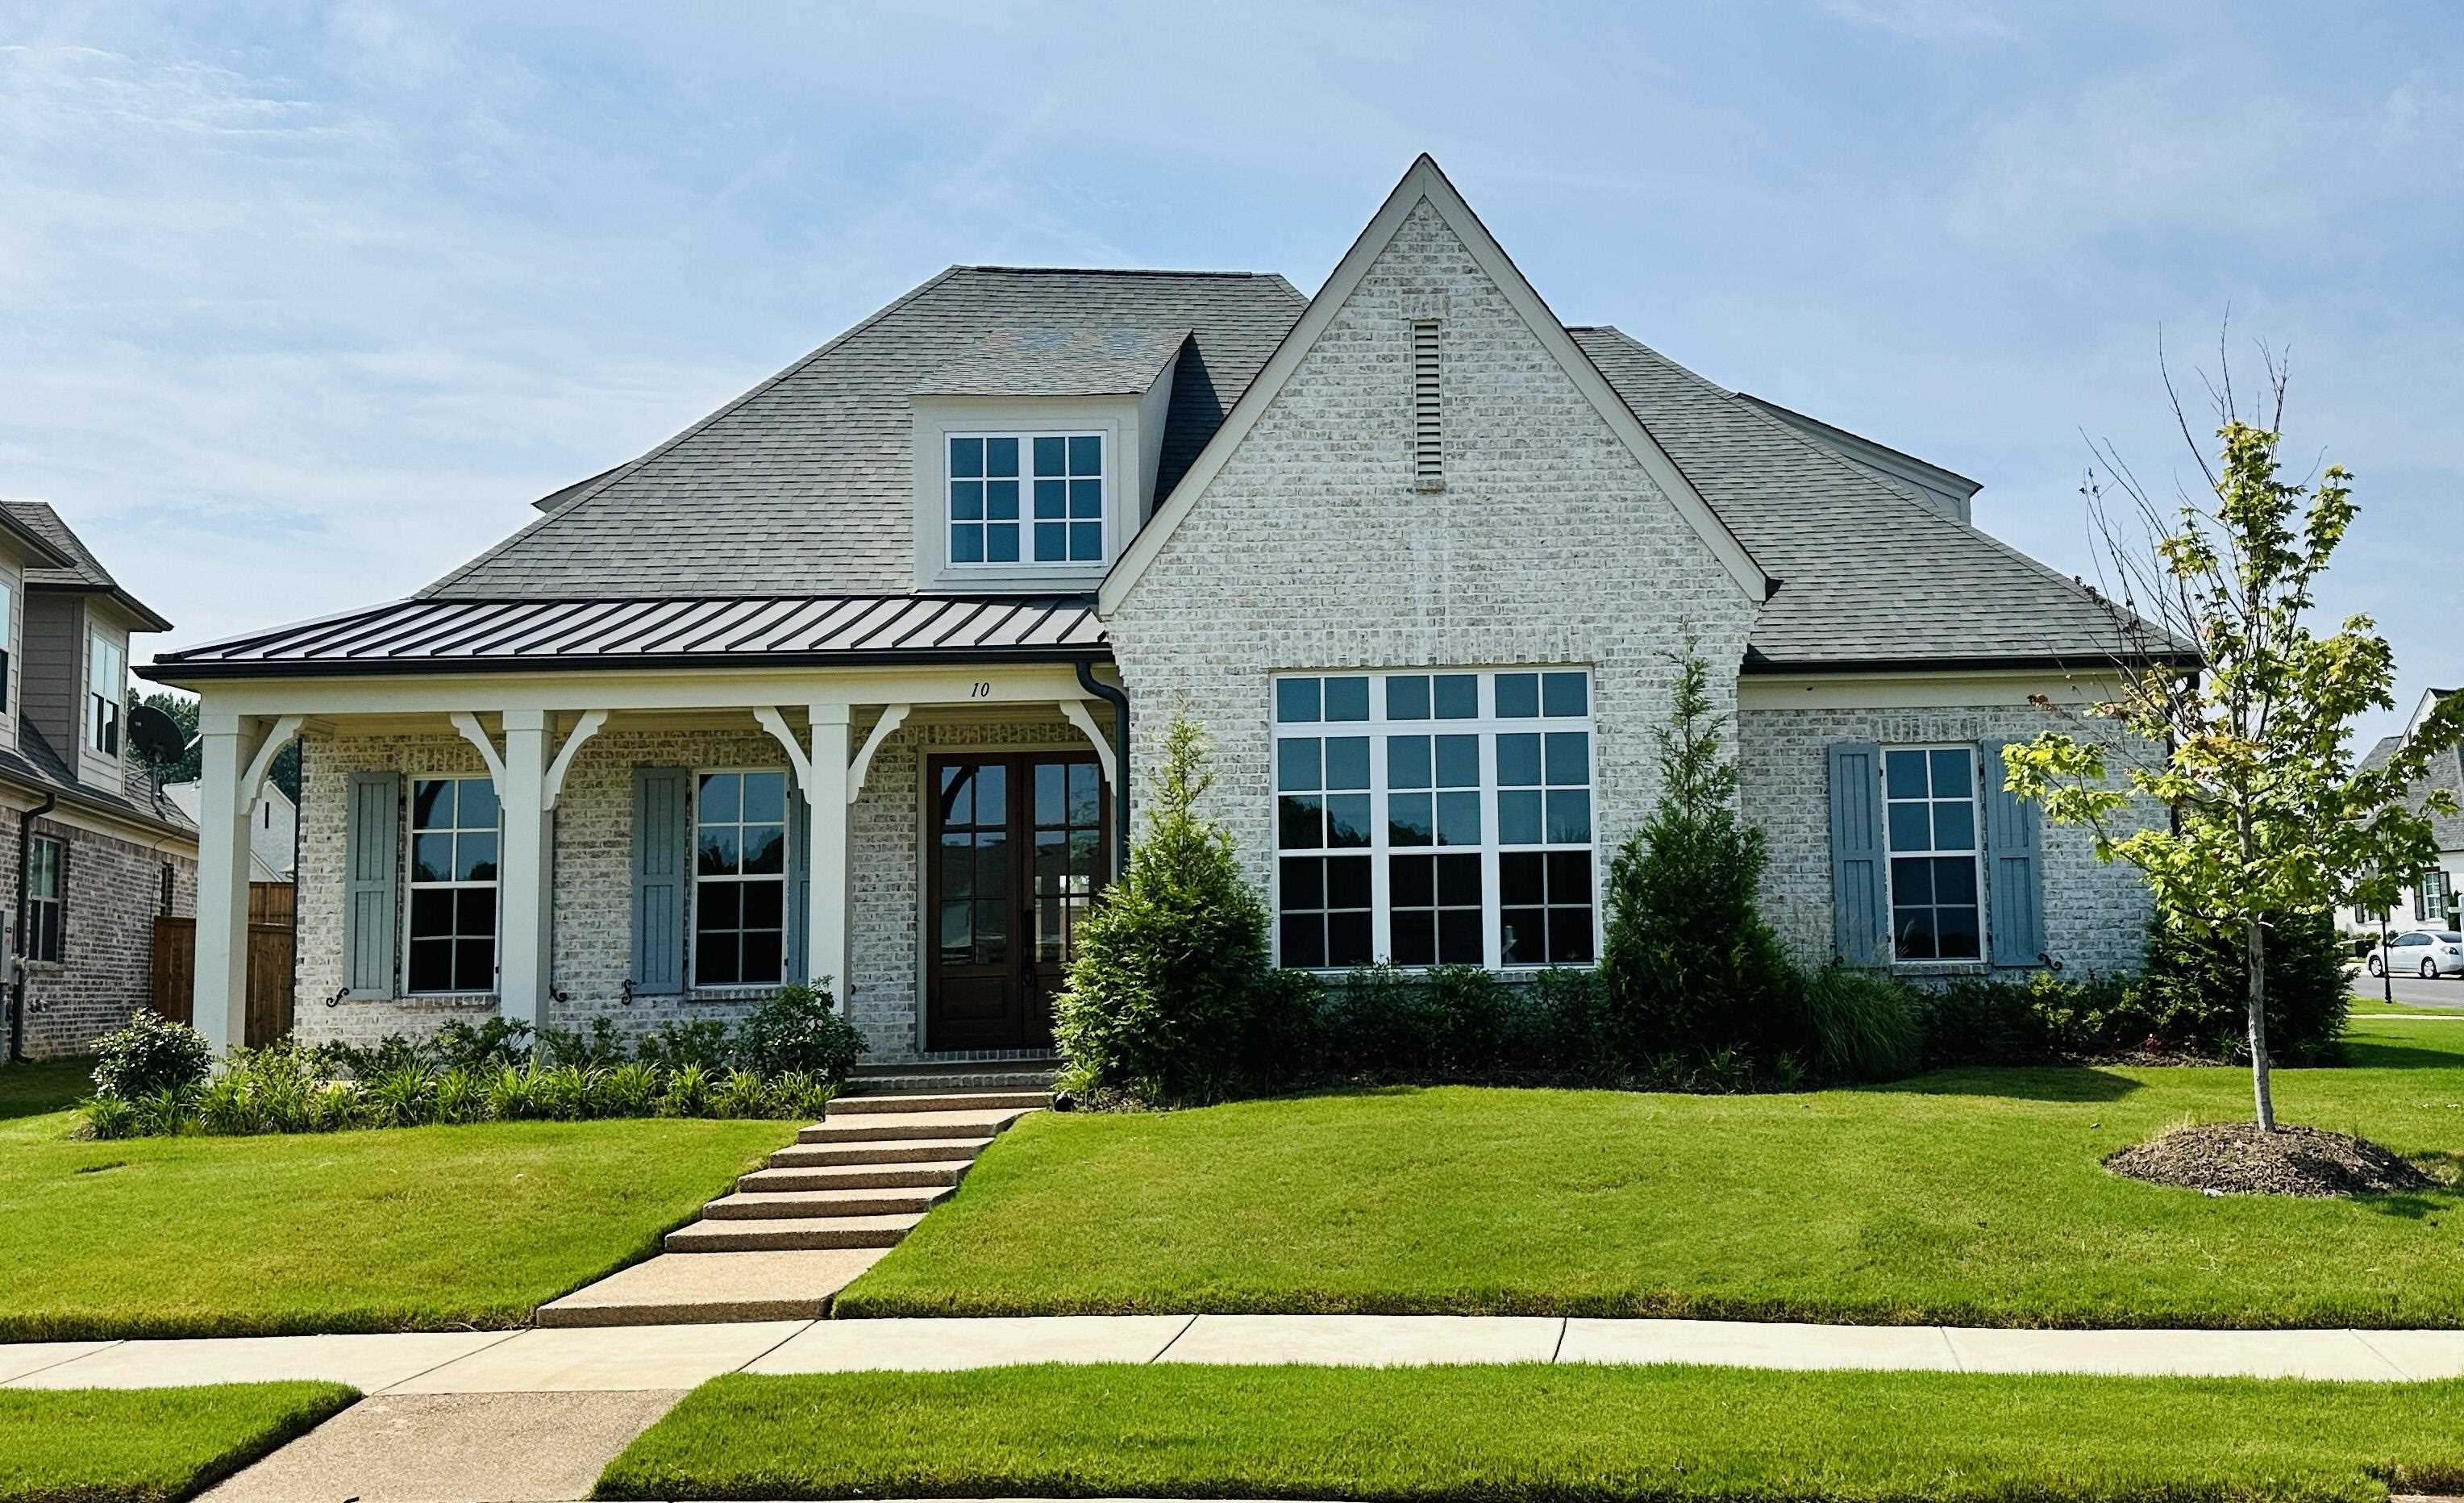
<point x="145" y="1444"/>
<point x="404" y="1229"/>
<point x="1542" y="1432"/>
<point x="1971" y="1197"/>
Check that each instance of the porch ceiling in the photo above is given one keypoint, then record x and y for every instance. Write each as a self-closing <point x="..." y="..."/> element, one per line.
<point x="421" y="637"/>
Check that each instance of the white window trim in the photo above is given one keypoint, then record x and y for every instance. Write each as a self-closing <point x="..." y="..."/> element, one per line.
<point x="694" y="984"/>
<point x="1487" y="726"/>
<point x="1976" y="814"/>
<point x="98" y="644"/>
<point x="410" y="885"/>
<point x="1027" y="561"/>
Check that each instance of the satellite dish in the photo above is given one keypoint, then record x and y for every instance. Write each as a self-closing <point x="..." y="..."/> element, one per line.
<point x="157" y="737"/>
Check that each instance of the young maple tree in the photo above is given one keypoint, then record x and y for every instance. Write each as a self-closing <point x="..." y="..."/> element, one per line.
<point x="2233" y="712"/>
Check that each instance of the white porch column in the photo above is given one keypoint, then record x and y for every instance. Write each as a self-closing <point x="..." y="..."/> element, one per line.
<point x="526" y="902"/>
<point x="221" y="995"/>
<point x="826" y="955"/>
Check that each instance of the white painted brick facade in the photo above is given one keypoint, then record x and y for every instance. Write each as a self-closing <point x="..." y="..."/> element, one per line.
<point x="594" y="833"/>
<point x="1311" y="548"/>
<point x="2096" y="914"/>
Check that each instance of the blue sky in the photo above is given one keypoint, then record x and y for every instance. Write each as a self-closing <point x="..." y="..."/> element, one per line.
<point x="300" y="306"/>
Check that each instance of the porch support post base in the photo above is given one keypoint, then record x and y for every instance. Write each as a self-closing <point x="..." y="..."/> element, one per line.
<point x="525" y="910"/>
<point x="825" y="790"/>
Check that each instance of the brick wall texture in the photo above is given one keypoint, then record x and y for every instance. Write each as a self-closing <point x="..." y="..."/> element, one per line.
<point x="114" y="889"/>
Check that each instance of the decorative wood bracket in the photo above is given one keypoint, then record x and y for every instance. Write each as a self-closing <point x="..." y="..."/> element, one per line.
<point x="253" y="782"/>
<point x="477" y="736"/>
<point x="583" y="730"/>
<point x="777" y="725"/>
<point x="892" y="717"/>
<point x="1074" y="711"/>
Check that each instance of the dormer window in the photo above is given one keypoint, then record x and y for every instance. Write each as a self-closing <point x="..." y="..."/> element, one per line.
<point x="106" y="669"/>
<point x="1058" y="479"/>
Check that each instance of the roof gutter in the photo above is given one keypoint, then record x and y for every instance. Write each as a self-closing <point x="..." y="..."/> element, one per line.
<point x="180" y="672"/>
<point x="1755" y="663"/>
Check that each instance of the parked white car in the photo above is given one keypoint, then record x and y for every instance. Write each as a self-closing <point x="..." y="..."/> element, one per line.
<point x="2426" y="953"/>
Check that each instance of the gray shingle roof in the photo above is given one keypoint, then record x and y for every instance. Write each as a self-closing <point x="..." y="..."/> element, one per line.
<point x="83" y="570"/>
<point x="799" y="486"/>
<point x="1057" y="363"/>
<point x="1868" y="574"/>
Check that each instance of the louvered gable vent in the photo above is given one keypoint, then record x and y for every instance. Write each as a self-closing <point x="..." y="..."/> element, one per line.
<point x="1428" y="432"/>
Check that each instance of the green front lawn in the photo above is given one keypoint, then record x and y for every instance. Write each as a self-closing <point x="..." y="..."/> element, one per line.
<point x="1549" y="1434"/>
<point x="404" y="1229"/>
<point x="146" y="1445"/>
<point x="1972" y="1197"/>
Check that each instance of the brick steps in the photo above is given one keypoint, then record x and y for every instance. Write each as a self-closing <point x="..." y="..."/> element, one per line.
<point x="797" y="1230"/>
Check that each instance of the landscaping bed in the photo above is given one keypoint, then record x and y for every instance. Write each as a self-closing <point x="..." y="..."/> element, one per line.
<point x="1506" y="1433"/>
<point x="147" y="1445"/>
<point x="2238" y="1158"/>
<point x="413" y="1229"/>
<point x="1974" y="1196"/>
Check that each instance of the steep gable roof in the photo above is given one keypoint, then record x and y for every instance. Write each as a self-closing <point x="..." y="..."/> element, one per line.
<point x="1422" y="182"/>
<point x="1870" y="576"/>
<point x="80" y="570"/>
<point x="801" y="486"/>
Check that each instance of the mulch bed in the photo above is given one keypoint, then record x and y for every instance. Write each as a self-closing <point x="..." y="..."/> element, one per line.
<point x="2238" y="1159"/>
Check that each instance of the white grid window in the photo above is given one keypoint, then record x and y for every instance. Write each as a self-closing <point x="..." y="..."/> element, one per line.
<point x="740" y="879"/>
<point x="1434" y="818"/>
<point x="1059" y="477"/>
<point x="453" y="930"/>
<point x="106" y="684"/>
<point x="1929" y="805"/>
<point x="2429" y="898"/>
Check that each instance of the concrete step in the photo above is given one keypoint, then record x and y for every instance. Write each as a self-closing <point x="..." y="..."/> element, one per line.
<point x="696" y="1289"/>
<point x="991" y="1076"/>
<point x="904" y="1149"/>
<point x="870" y="1103"/>
<point x="857" y="1176"/>
<point x="793" y="1234"/>
<point x="880" y="1126"/>
<point x="784" y="1205"/>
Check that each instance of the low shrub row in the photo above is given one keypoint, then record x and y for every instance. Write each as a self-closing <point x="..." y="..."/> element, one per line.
<point x="790" y="1057"/>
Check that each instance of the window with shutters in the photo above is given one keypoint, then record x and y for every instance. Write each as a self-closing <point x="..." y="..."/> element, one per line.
<point x="740" y="878"/>
<point x="1434" y="818"/>
<point x="451" y="945"/>
<point x="1937" y="862"/>
<point x="1428" y="430"/>
<point x="2429" y="898"/>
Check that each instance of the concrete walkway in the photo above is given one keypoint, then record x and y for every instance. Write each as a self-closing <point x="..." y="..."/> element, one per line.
<point x="671" y="1358"/>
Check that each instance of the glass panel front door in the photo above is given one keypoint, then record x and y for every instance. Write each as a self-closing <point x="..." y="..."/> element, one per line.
<point x="1018" y="852"/>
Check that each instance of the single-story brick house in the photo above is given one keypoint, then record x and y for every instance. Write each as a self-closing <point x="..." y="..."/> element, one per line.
<point x="840" y="680"/>
<point x="90" y="852"/>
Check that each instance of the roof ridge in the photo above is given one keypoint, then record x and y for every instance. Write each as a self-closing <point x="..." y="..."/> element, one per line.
<point x="1102" y="271"/>
<point x="619" y="471"/>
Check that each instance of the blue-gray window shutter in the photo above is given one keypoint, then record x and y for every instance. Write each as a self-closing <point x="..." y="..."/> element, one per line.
<point x="1860" y="907"/>
<point x="2016" y="867"/>
<point x="371" y="868"/>
<point x="799" y="881"/>
<point x="662" y="874"/>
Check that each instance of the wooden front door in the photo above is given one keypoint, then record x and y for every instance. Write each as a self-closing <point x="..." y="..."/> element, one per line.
<point x="1018" y="846"/>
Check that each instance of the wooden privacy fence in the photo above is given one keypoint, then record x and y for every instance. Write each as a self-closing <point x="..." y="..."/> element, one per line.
<point x="272" y="945"/>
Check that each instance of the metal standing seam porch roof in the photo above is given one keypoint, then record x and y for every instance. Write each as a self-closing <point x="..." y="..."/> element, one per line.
<point x="420" y="636"/>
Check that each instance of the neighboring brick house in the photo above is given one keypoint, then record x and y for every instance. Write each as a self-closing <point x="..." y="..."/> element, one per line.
<point x="834" y="683"/>
<point x="2430" y="899"/>
<point x="89" y="853"/>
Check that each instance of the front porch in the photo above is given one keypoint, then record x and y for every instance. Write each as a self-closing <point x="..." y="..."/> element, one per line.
<point x="652" y="846"/>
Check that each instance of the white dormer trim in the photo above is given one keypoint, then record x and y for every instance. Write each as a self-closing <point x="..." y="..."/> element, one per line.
<point x="1426" y="182"/>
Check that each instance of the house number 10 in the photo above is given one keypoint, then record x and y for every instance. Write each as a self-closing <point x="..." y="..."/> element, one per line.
<point x="980" y="691"/>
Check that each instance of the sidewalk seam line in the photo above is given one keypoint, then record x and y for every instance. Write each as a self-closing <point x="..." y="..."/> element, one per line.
<point x="115" y="1341"/>
<point x="448" y="1361"/>
<point x="774" y="1346"/>
<point x="2402" y="1373"/>
<point x="1957" y="1364"/>
<point x="1563" y="1321"/>
<point x="1175" y="1341"/>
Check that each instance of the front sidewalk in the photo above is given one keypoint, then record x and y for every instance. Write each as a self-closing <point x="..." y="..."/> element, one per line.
<point x="622" y="1358"/>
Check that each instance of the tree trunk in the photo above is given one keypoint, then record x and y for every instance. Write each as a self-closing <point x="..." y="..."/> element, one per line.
<point x="2254" y="941"/>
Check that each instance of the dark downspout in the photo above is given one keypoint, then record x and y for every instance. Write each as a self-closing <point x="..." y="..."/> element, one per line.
<point x="1119" y="701"/>
<point x="25" y="907"/>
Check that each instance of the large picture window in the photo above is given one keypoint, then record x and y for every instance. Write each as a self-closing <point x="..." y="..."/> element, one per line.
<point x="1434" y="819"/>
<point x="453" y="841"/>
<point x="1930" y="803"/>
<point x="1059" y="479"/>
<point x="740" y="879"/>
